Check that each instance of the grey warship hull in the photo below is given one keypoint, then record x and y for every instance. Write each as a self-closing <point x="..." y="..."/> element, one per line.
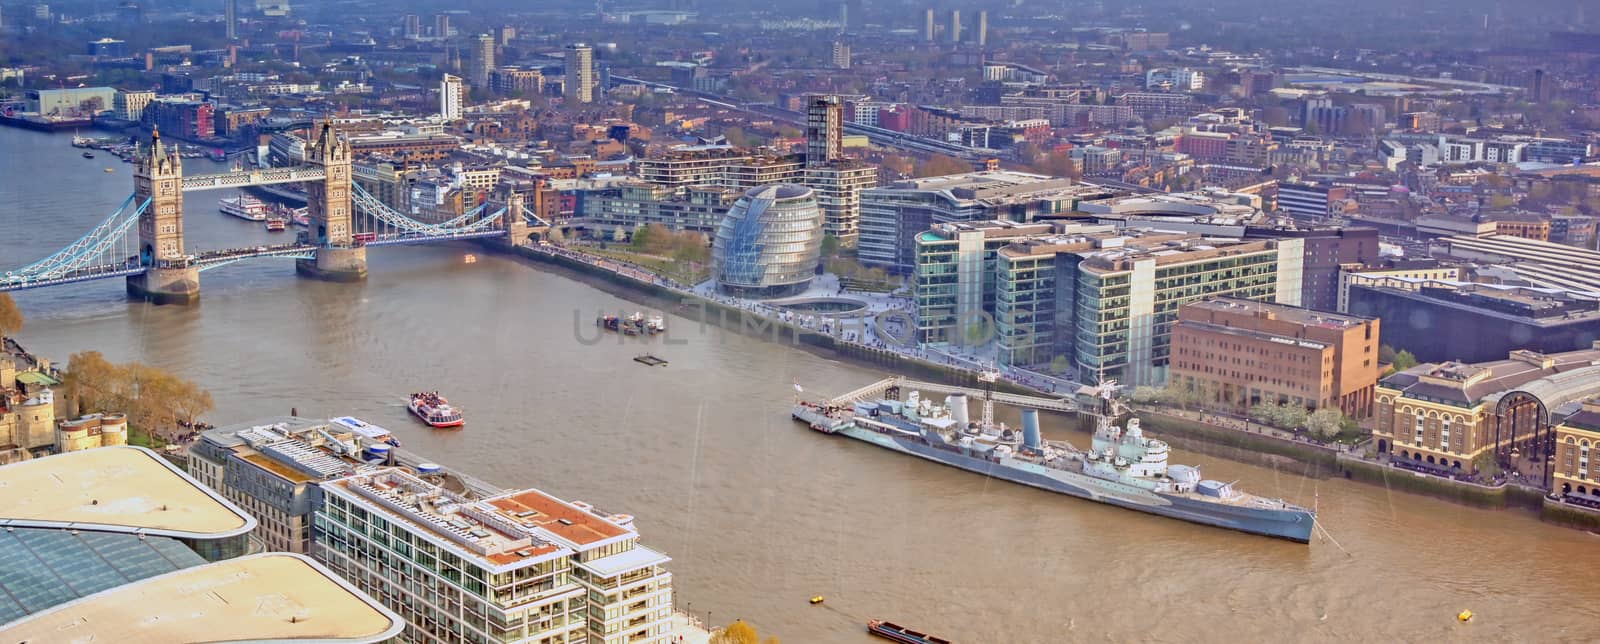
<point x="1283" y="521"/>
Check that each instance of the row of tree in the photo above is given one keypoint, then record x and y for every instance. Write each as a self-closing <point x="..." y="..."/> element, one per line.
<point x="658" y="240"/>
<point x="1324" y="423"/>
<point x="154" y="399"/>
<point x="740" y="632"/>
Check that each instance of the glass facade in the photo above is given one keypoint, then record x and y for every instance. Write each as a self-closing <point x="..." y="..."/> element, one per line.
<point x="770" y="242"/>
<point x="41" y="568"/>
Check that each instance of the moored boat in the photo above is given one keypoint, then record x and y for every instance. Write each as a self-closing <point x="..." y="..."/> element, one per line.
<point x="244" y="207"/>
<point x="434" y="410"/>
<point x="1122" y="467"/>
<point x="898" y="633"/>
<point x="277" y="224"/>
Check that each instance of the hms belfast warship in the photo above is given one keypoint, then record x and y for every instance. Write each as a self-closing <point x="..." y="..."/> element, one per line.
<point x="1123" y="467"/>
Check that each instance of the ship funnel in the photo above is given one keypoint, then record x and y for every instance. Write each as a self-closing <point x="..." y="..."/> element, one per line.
<point x="1030" y="429"/>
<point x="958" y="408"/>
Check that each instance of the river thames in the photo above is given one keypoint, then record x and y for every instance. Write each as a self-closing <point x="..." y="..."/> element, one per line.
<point x="758" y="513"/>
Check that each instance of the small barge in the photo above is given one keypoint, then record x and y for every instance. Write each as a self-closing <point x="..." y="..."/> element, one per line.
<point x="636" y="324"/>
<point x="895" y="632"/>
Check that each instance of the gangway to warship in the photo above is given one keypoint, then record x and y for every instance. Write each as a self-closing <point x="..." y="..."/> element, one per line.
<point x="877" y="389"/>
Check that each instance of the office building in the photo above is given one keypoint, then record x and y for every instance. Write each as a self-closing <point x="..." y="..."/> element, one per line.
<point x="480" y="566"/>
<point x="892" y="216"/>
<point x="1239" y="353"/>
<point x="630" y="205"/>
<point x="482" y="61"/>
<point x="452" y="98"/>
<point x="184" y="119"/>
<point x="1107" y="303"/>
<point x="1452" y="417"/>
<point x="769" y="243"/>
<point x="116" y="544"/>
<point x="1327" y="251"/>
<point x="272" y="469"/>
<point x="928" y="25"/>
<point x="841" y="55"/>
<point x="949" y="287"/>
<point x="1440" y="319"/>
<point x="580" y="79"/>
<point x="824" y="130"/>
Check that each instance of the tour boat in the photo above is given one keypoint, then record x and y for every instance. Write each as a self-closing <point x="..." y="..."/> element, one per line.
<point x="898" y="633"/>
<point x="277" y="225"/>
<point x="244" y="207"/>
<point x="434" y="410"/>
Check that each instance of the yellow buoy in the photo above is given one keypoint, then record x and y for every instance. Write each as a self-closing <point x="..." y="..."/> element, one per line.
<point x="817" y="599"/>
<point x="1465" y="616"/>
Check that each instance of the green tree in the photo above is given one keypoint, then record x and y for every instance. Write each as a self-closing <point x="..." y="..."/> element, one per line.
<point x="643" y="237"/>
<point x="1403" y="361"/>
<point x="830" y="246"/>
<point x="11" y="319"/>
<point x="737" y="137"/>
<point x="1145" y="395"/>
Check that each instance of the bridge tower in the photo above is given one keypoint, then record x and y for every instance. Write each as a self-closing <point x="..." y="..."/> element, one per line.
<point x="339" y="257"/>
<point x="168" y="277"/>
<point x="514" y="222"/>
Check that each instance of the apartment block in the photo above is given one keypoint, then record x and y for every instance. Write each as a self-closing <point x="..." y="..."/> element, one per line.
<point x="518" y="566"/>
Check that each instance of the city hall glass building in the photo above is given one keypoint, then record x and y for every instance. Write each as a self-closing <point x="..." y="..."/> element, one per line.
<point x="769" y="243"/>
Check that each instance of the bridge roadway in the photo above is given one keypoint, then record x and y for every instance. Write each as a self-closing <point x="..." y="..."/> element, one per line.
<point x="264" y="177"/>
<point x="877" y="389"/>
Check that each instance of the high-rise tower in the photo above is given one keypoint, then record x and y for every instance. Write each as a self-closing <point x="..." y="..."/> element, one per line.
<point x="824" y="130"/>
<point x="580" y="81"/>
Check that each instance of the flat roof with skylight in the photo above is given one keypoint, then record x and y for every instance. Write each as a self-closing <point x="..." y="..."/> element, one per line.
<point x="116" y="489"/>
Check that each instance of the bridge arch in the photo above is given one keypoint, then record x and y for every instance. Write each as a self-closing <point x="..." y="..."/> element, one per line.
<point x="1522" y="428"/>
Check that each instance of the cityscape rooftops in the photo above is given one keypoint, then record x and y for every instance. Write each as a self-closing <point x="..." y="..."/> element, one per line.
<point x="115" y="489"/>
<point x="269" y="597"/>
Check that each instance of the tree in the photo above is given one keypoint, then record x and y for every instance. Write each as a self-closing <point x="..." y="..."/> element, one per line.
<point x="738" y="632"/>
<point x="10" y="316"/>
<point x="830" y="246"/>
<point x="1145" y="395"/>
<point x="1325" y="423"/>
<point x="642" y="237"/>
<point x="153" y="398"/>
<point x="939" y="165"/>
<point x="736" y="137"/>
<point x="1403" y="361"/>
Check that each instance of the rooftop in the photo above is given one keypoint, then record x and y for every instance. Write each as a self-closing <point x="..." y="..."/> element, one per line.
<point x="270" y="597"/>
<point x="1285" y="312"/>
<point x="997" y="186"/>
<point x="564" y="520"/>
<point x="504" y="531"/>
<point x="119" y="489"/>
<point x="1555" y="378"/>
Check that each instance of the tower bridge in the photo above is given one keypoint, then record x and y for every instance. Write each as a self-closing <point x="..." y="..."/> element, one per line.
<point x="344" y="221"/>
